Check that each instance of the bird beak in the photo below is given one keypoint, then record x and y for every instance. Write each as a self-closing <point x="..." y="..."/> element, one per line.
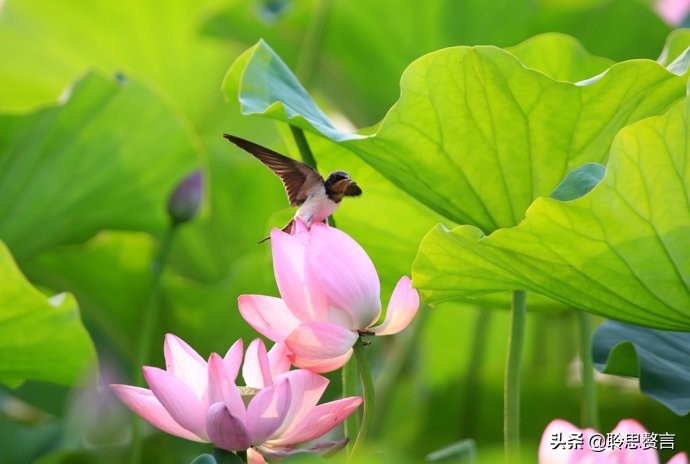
<point x="342" y="185"/>
<point x="353" y="189"/>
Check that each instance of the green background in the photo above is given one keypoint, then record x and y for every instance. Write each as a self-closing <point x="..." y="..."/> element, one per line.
<point x="105" y="106"/>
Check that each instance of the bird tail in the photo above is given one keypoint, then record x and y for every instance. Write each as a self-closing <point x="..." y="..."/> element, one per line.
<point x="287" y="229"/>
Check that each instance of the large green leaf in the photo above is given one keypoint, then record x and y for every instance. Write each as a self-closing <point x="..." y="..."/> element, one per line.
<point x="152" y="42"/>
<point x="676" y="44"/>
<point x="659" y="358"/>
<point x="107" y="158"/>
<point x="622" y="250"/>
<point x="475" y="136"/>
<point x="346" y="43"/>
<point x="53" y="43"/>
<point x="40" y="338"/>
<point x="560" y="57"/>
<point x="501" y="155"/>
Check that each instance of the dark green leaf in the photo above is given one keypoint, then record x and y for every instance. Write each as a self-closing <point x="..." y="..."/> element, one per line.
<point x="222" y="456"/>
<point x="659" y="358"/>
<point x="579" y="182"/>
<point x="205" y="459"/>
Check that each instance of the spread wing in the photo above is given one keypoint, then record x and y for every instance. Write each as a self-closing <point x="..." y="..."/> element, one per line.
<point x="298" y="178"/>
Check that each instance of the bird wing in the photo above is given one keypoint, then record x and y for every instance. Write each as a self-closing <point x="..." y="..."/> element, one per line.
<point x="298" y="178"/>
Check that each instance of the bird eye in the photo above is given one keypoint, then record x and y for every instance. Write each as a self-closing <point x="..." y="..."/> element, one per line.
<point x="338" y="176"/>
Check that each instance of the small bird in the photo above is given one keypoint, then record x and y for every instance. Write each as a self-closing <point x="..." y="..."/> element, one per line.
<point x="316" y="198"/>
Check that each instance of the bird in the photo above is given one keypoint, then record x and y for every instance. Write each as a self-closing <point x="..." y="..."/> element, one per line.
<point x="316" y="198"/>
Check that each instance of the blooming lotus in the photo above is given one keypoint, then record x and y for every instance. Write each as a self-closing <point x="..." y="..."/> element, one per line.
<point x="200" y="400"/>
<point x="330" y="293"/>
<point x="673" y="11"/>
<point x="554" y="447"/>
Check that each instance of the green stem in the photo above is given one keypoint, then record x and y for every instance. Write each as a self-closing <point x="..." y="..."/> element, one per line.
<point x="368" y="394"/>
<point x="303" y="146"/>
<point x="511" y="399"/>
<point x="590" y="411"/>
<point x="351" y="424"/>
<point x="398" y="357"/>
<point x="151" y="311"/>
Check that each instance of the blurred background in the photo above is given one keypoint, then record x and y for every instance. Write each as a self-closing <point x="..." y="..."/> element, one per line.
<point x="114" y="102"/>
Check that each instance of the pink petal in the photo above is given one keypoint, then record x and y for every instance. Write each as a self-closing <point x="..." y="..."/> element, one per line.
<point x="300" y="231"/>
<point x="306" y="389"/>
<point x="680" y="458"/>
<point x="178" y="399"/>
<point x="638" y="456"/>
<point x="297" y="283"/>
<point x="267" y="315"/>
<point x="217" y="375"/>
<point x="347" y="275"/>
<point x="277" y="453"/>
<point x="402" y="308"/>
<point x="320" y="420"/>
<point x="144" y="403"/>
<point x="673" y="11"/>
<point x="233" y="358"/>
<point x="266" y="411"/>
<point x="321" y="448"/>
<point x="278" y="359"/>
<point x="185" y="363"/>
<point x="629" y="426"/>
<point x="547" y="453"/>
<point x="327" y="447"/>
<point x="256" y="370"/>
<point x="225" y="430"/>
<point x="322" y="365"/>
<point x="319" y="341"/>
<point x="254" y="457"/>
<point x="222" y="389"/>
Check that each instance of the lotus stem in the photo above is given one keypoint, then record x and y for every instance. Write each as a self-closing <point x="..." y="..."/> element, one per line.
<point x="349" y="380"/>
<point x="511" y="399"/>
<point x="589" y="408"/>
<point x="368" y="394"/>
<point x="151" y="311"/>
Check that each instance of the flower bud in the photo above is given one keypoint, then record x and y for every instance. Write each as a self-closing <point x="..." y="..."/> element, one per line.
<point x="185" y="200"/>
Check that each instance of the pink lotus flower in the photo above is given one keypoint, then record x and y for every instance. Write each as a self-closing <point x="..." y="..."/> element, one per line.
<point x="330" y="293"/>
<point x="628" y="443"/>
<point x="200" y="401"/>
<point x="673" y="11"/>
